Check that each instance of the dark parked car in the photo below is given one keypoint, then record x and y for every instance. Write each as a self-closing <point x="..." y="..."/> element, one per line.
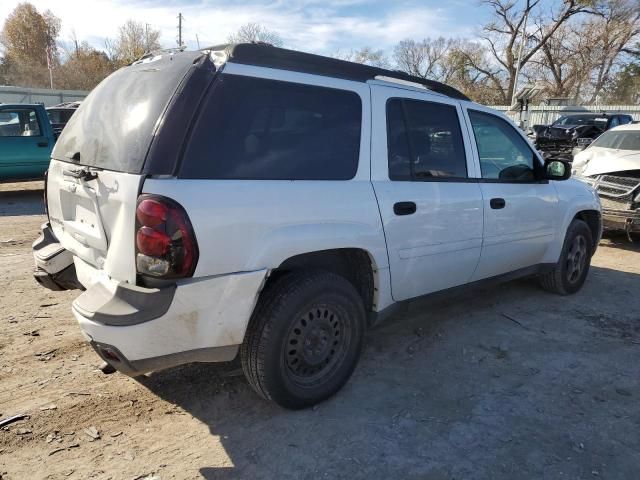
<point x="60" y="114"/>
<point x="570" y="134"/>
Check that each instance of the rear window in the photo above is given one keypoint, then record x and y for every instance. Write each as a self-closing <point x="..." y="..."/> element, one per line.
<point x="114" y="125"/>
<point x="574" y="120"/>
<point x="258" y="129"/>
<point x="59" y="116"/>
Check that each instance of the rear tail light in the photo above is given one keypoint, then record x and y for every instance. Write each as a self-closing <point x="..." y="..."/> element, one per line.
<point x="166" y="245"/>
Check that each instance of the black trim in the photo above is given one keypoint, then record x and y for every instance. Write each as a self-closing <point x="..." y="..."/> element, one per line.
<point x="439" y="180"/>
<point x="134" y="368"/>
<point x="378" y="317"/>
<point x="264" y="55"/>
<point x="165" y="152"/>
<point x="523" y="182"/>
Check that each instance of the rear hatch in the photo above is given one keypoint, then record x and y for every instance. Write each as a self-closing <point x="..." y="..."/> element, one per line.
<point x="100" y="160"/>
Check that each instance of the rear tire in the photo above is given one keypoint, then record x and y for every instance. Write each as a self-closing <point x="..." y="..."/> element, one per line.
<point x="570" y="272"/>
<point x="304" y="338"/>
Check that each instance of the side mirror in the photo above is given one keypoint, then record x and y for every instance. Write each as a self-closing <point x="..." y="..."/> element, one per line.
<point x="557" y="170"/>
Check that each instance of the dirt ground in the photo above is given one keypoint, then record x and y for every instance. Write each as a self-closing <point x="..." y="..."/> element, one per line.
<point x="502" y="383"/>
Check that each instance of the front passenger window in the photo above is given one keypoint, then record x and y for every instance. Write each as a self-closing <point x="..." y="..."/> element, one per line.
<point x="504" y="154"/>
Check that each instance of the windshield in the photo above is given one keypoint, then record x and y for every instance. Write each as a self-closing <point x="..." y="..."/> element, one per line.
<point x="581" y="120"/>
<point x="620" y="140"/>
<point x="114" y="126"/>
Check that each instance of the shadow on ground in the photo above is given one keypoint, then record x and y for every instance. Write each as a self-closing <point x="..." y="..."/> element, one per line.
<point x="622" y="241"/>
<point x="509" y="382"/>
<point x="21" y="202"/>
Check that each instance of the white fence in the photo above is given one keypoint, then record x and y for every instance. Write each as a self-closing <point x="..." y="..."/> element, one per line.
<point x="39" y="95"/>
<point x="544" y="115"/>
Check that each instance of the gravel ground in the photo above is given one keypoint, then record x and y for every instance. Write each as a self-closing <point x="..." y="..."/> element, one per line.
<point x="501" y="383"/>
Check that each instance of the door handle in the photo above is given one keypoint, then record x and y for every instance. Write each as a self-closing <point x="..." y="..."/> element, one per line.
<point x="43" y="144"/>
<point x="404" y="208"/>
<point x="497" y="203"/>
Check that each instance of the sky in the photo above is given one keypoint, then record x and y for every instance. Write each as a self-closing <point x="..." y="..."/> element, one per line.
<point x="319" y="26"/>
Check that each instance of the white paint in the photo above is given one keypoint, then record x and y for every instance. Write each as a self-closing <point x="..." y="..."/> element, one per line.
<point x="96" y="220"/>
<point x="437" y="247"/>
<point x="207" y="312"/>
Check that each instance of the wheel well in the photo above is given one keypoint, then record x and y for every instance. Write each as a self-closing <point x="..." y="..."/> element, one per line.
<point x="353" y="264"/>
<point x="592" y="219"/>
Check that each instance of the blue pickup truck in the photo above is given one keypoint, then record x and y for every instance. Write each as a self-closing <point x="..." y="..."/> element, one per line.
<point x="26" y="140"/>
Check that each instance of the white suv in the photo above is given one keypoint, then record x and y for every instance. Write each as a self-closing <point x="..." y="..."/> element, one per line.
<point x="254" y="200"/>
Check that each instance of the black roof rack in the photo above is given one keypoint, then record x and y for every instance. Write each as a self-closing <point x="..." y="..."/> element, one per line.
<point x="266" y="55"/>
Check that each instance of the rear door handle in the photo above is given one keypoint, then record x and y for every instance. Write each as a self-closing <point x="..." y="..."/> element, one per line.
<point x="404" y="208"/>
<point x="43" y="144"/>
<point x="497" y="203"/>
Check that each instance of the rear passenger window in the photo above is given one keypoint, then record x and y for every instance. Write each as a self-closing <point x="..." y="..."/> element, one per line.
<point x="424" y="141"/>
<point x="258" y="129"/>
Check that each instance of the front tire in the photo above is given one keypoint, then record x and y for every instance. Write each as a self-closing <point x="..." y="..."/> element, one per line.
<point x="304" y="338"/>
<point x="569" y="274"/>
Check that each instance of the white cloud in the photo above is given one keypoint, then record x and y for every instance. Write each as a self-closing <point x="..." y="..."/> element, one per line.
<point x="311" y="25"/>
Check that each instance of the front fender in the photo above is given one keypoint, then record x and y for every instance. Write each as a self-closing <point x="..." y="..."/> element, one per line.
<point x="574" y="197"/>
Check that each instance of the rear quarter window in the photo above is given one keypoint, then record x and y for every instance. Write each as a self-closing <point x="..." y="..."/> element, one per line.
<point x="258" y="129"/>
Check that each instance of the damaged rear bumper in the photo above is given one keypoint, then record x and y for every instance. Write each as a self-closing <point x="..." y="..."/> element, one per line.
<point x="54" y="264"/>
<point x="138" y="330"/>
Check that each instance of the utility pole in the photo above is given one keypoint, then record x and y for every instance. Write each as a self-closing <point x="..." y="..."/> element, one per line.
<point x="146" y="38"/>
<point x="198" y="41"/>
<point x="50" y="65"/>
<point x="180" y="17"/>
<point x="515" y="80"/>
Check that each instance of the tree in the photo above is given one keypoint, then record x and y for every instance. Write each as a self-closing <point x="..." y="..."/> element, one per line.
<point x="364" y="55"/>
<point x="502" y="36"/>
<point x="84" y="67"/>
<point x="25" y="37"/>
<point x="625" y="85"/>
<point x="429" y="59"/>
<point x="585" y="55"/>
<point x="610" y="33"/>
<point x="134" y="40"/>
<point x="563" y="64"/>
<point x="254" y="32"/>
<point x="448" y="61"/>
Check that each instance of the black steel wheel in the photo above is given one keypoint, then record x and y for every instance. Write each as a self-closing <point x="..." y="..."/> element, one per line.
<point x="304" y="339"/>
<point x="570" y="273"/>
<point x="317" y="342"/>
